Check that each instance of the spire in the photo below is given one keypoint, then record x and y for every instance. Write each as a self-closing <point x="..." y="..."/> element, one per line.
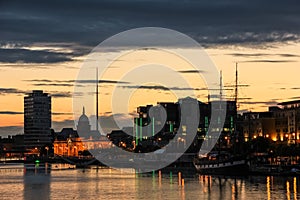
<point x="236" y="84"/>
<point x="83" y="110"/>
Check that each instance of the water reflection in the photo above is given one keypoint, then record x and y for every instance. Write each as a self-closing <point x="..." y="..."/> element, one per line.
<point x="43" y="183"/>
<point x="295" y="188"/>
<point x="268" y="188"/>
<point x="288" y="193"/>
<point x="36" y="181"/>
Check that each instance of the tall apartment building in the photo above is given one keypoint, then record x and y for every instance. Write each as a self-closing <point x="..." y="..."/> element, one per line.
<point x="37" y="120"/>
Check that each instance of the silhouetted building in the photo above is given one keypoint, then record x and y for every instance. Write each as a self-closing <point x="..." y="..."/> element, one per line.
<point x="287" y="120"/>
<point x="12" y="146"/>
<point x="178" y="118"/>
<point x="68" y="143"/>
<point x="66" y="133"/>
<point x="37" y="120"/>
<point x="84" y="127"/>
<point x="259" y="124"/>
<point x="280" y="123"/>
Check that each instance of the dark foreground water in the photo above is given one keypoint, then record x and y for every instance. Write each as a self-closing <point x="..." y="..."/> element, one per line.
<point x="18" y="184"/>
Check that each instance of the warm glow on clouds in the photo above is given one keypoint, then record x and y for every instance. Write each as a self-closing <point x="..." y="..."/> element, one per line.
<point x="271" y="74"/>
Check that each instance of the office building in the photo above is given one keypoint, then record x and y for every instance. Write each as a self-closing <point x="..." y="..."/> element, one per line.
<point x="37" y="121"/>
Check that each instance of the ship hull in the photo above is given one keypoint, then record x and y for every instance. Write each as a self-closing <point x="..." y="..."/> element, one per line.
<point x="238" y="168"/>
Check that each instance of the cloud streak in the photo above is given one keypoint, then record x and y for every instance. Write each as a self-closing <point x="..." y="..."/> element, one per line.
<point x="32" y="56"/>
<point x="10" y="113"/>
<point x="54" y="84"/>
<point x="162" y="88"/>
<point x="267" y="61"/>
<point x="48" y="81"/>
<point x="262" y="55"/>
<point x="267" y="103"/>
<point x="191" y="71"/>
<point x="57" y="94"/>
<point x="21" y="113"/>
<point x="4" y="91"/>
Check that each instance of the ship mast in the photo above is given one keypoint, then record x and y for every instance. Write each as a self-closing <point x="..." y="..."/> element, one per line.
<point x="97" y="101"/>
<point x="236" y="86"/>
<point x="221" y="86"/>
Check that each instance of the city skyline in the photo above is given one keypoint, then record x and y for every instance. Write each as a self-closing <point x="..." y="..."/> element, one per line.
<point x="45" y="53"/>
<point x="149" y="99"/>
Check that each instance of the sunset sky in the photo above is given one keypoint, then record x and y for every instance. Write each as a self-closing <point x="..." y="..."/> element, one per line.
<point x="44" y="44"/>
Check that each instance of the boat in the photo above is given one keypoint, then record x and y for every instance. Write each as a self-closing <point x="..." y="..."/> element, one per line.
<point x="222" y="163"/>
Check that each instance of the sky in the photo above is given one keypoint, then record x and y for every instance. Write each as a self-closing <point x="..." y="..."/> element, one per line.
<point x="43" y="45"/>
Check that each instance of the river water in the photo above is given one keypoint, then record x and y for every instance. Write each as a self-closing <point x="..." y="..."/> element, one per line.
<point x="19" y="183"/>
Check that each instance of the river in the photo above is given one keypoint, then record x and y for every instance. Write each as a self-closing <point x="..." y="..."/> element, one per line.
<point x="19" y="183"/>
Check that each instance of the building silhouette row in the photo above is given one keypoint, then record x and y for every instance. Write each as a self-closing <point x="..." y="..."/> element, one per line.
<point x="279" y="123"/>
<point x="154" y="125"/>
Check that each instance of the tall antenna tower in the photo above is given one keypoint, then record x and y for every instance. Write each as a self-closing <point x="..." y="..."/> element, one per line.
<point x="236" y="86"/>
<point x="97" y="101"/>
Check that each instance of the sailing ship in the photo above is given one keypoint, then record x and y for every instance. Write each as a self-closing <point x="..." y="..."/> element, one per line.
<point x="221" y="162"/>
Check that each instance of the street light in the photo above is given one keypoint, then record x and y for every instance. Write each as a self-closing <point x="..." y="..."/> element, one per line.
<point x="286" y="135"/>
<point x="294" y="137"/>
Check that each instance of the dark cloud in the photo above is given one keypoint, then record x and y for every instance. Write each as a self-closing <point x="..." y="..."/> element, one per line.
<point x="276" y="99"/>
<point x="59" y="113"/>
<point x="191" y="71"/>
<point x="102" y="81"/>
<point x="111" y="81"/>
<point x="57" y="94"/>
<point x="239" y="85"/>
<point x="84" y="23"/>
<point x="49" y="81"/>
<point x="262" y="55"/>
<point x="163" y="88"/>
<point x="10" y="113"/>
<point x="148" y="87"/>
<point x="288" y="55"/>
<point x="21" y="113"/>
<point x="10" y="130"/>
<point x="266" y="103"/>
<point x="54" y="84"/>
<point x="244" y="98"/>
<point x="295" y="97"/>
<point x="32" y="56"/>
<point x="248" y="54"/>
<point x="4" y="91"/>
<point x="267" y="61"/>
<point x="70" y="83"/>
<point x="26" y="65"/>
